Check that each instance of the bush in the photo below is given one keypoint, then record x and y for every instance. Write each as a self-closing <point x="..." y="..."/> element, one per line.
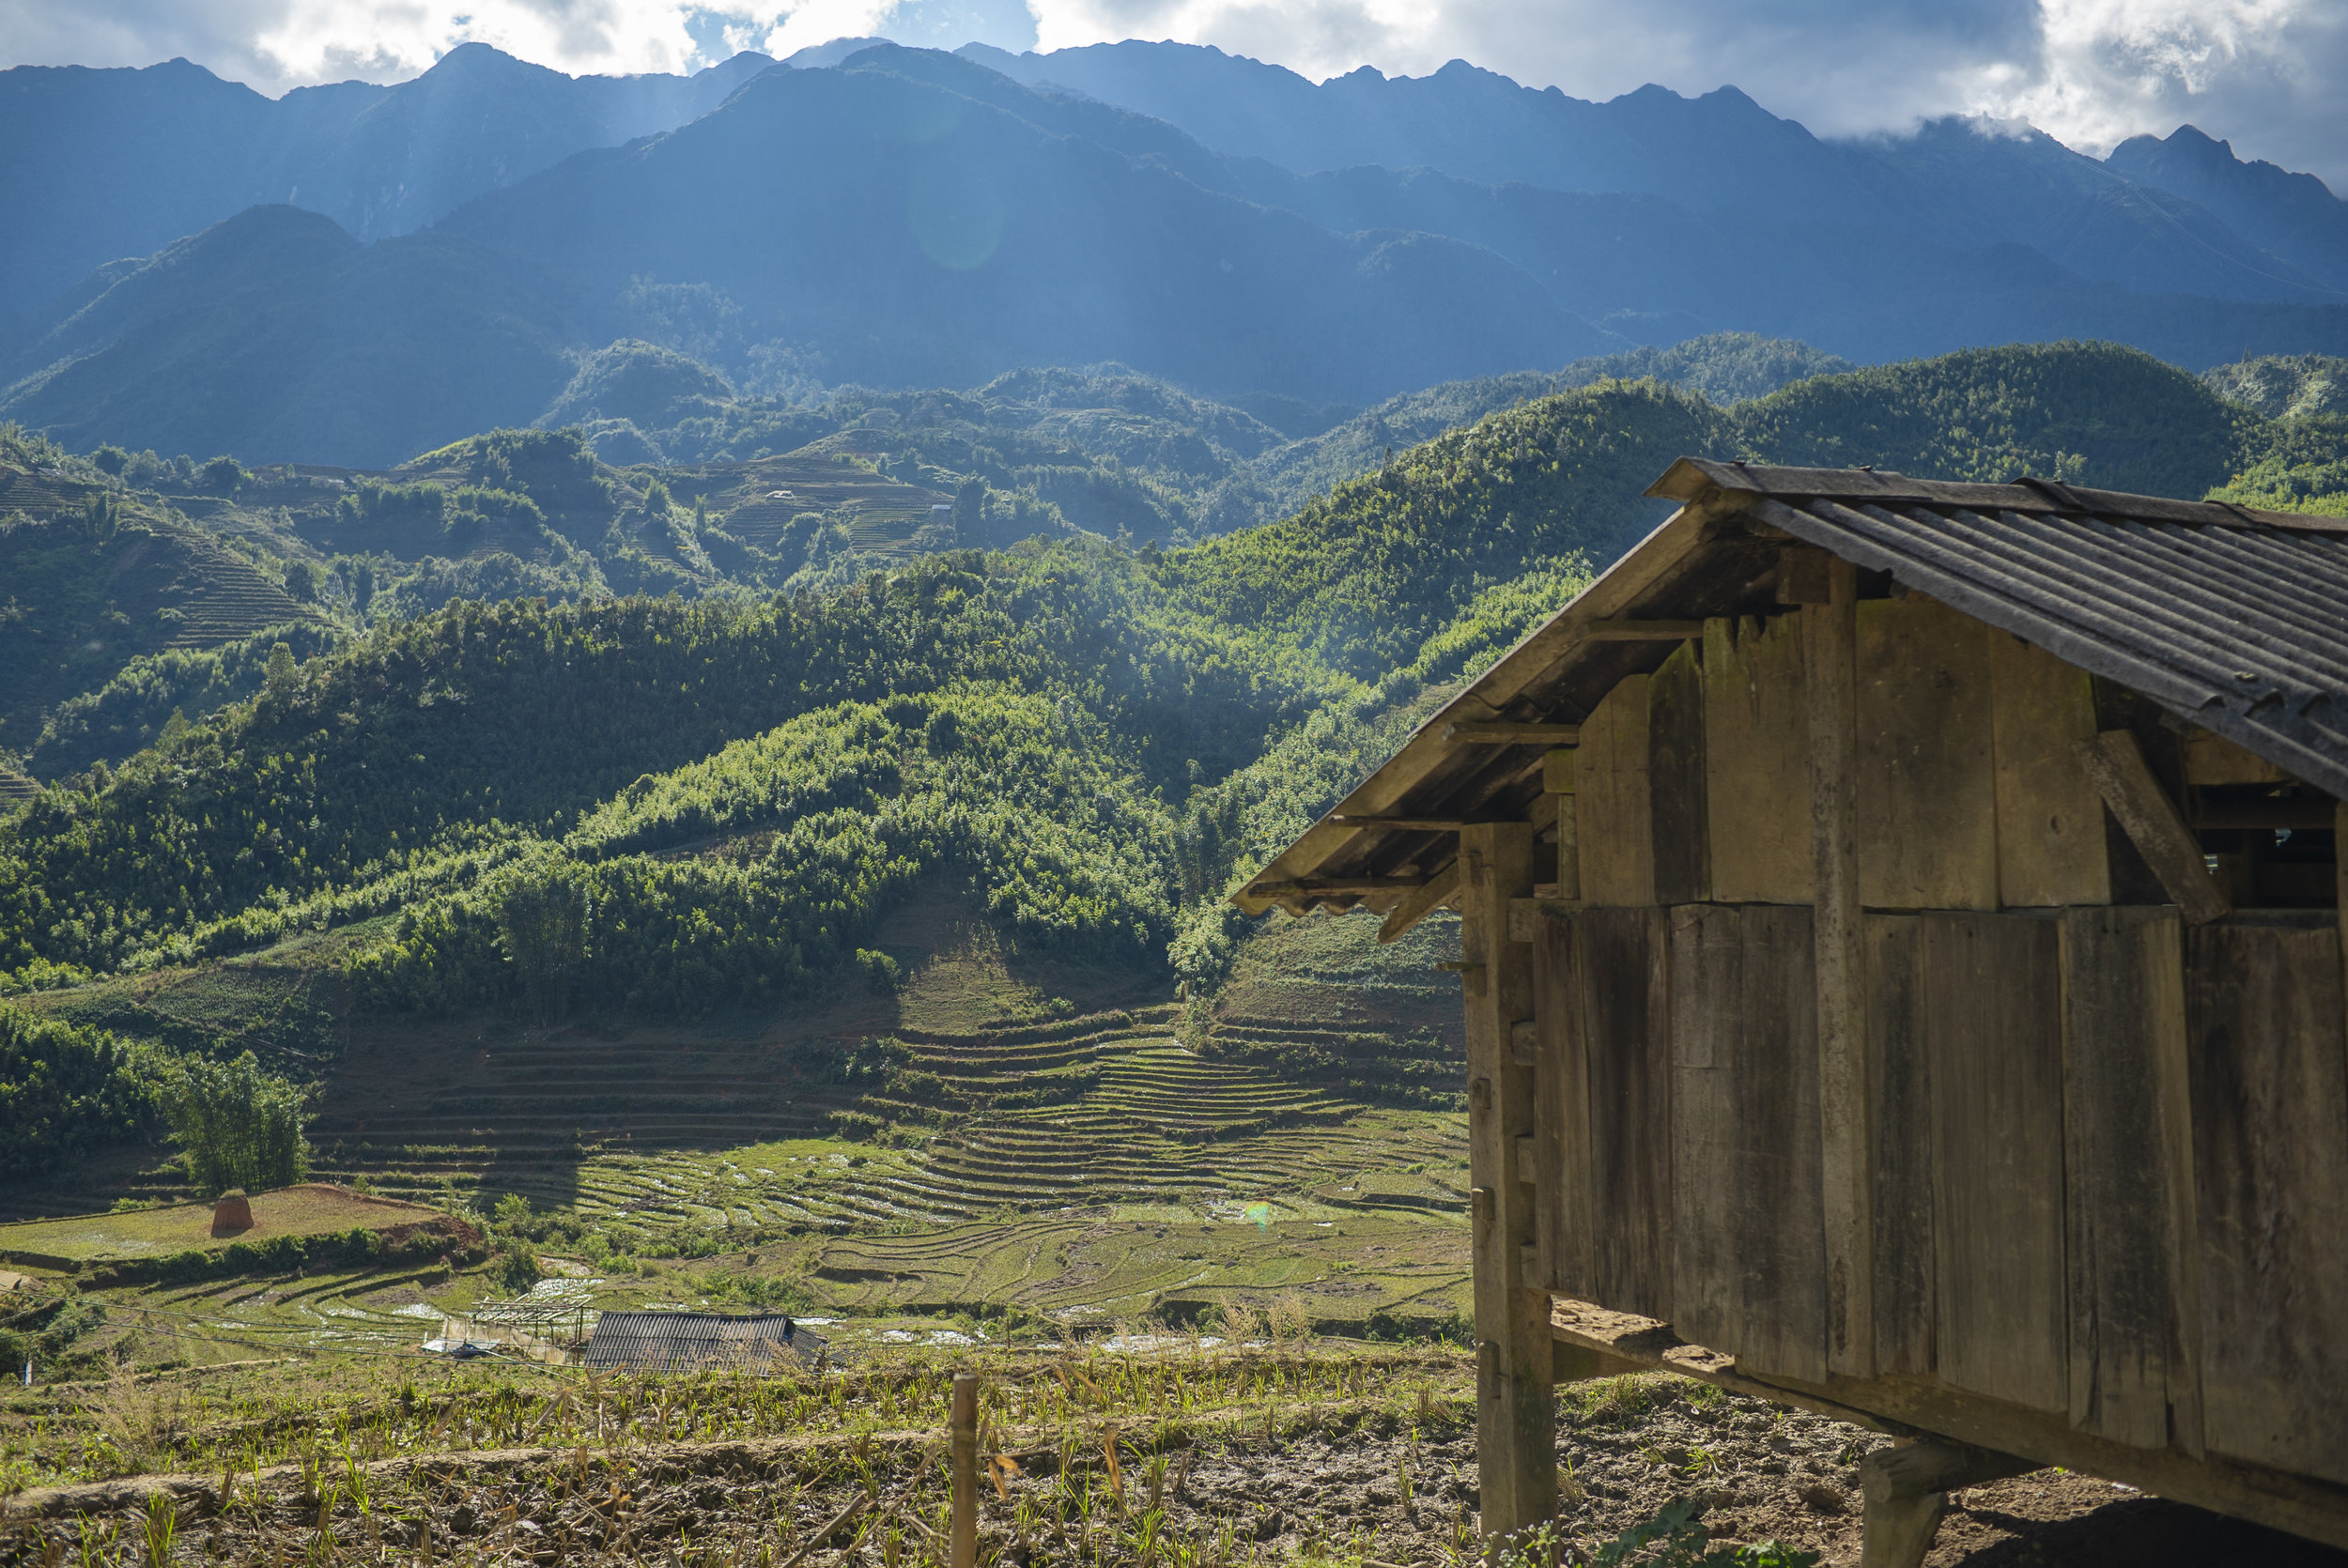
<point x="240" y="1126"/>
<point x="882" y="974"/>
<point x="516" y="1268"/>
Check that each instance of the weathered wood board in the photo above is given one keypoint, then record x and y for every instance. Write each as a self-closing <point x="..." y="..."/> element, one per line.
<point x="1749" y="1264"/>
<point x="2270" y="1151"/>
<point x="1612" y="801"/>
<point x="1927" y="790"/>
<point x="2051" y="820"/>
<point x="1757" y="760"/>
<point x="1677" y="776"/>
<point x="1993" y="1028"/>
<point x="2128" y="1155"/>
<point x="1899" y="1079"/>
<point x="1630" y="1062"/>
<point x="1567" y="1222"/>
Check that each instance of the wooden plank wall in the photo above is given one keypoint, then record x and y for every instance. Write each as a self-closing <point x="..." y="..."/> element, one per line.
<point x="2270" y="1151"/>
<point x="2108" y="1156"/>
<point x="1927" y="804"/>
<point x="1749" y="1266"/>
<point x="1992" y="1027"/>
<point x="2127" y="1142"/>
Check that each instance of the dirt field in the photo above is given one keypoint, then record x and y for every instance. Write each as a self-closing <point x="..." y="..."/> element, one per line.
<point x="1285" y="1453"/>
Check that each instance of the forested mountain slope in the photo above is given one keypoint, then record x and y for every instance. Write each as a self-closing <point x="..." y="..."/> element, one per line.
<point x="400" y="767"/>
<point x="763" y="495"/>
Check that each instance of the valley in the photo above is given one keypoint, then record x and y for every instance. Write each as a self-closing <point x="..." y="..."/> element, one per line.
<point x="787" y="873"/>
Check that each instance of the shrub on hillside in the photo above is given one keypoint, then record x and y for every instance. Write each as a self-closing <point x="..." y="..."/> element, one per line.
<point x="516" y="1268"/>
<point x="882" y="974"/>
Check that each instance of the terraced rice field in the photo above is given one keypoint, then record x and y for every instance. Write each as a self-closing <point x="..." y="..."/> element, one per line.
<point x="220" y="596"/>
<point x="1012" y="1149"/>
<point x="882" y="513"/>
<point x="714" y="1132"/>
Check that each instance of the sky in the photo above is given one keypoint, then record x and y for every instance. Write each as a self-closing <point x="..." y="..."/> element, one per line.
<point x="2260" y="73"/>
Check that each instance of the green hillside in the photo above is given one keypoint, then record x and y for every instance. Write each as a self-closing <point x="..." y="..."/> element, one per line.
<point x="918" y="862"/>
<point x="2285" y="386"/>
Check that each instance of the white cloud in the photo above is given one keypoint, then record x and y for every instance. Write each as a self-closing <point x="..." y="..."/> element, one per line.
<point x="2262" y="72"/>
<point x="2089" y="72"/>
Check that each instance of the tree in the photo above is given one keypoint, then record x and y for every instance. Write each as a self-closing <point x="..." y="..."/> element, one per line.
<point x="102" y="518"/>
<point x="970" y="513"/>
<point x="543" y="921"/>
<point x="223" y="475"/>
<point x="240" y="1126"/>
<point x="303" y="578"/>
<point x="65" y="1092"/>
<point x="280" y="674"/>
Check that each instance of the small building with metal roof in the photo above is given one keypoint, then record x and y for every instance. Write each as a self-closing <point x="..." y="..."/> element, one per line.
<point x="1903" y="968"/>
<point x="699" y="1342"/>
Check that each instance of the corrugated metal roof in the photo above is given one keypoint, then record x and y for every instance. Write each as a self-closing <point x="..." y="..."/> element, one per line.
<point x="697" y="1340"/>
<point x="2230" y="618"/>
<point x="2235" y="620"/>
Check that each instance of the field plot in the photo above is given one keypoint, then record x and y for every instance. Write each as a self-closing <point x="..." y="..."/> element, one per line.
<point x="312" y="1208"/>
<point x="1352" y="1277"/>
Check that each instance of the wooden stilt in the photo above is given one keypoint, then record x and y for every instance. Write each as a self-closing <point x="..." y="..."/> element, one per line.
<point x="1829" y="647"/>
<point x="1907" y="1491"/>
<point x="1516" y="1359"/>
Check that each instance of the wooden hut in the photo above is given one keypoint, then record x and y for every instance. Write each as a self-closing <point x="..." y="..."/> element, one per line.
<point x="1902" y="967"/>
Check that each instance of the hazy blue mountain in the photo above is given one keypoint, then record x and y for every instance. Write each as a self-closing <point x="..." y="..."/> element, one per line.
<point x="907" y="218"/>
<point x="1720" y="154"/>
<point x="2294" y="216"/>
<point x="277" y="336"/>
<point x="104" y="164"/>
<point x="910" y="234"/>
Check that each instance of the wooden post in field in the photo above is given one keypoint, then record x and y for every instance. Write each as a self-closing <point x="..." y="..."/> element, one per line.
<point x="962" y="1444"/>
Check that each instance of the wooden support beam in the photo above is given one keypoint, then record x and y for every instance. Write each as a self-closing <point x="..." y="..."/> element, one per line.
<point x="1907" y="1490"/>
<point x="1626" y="630"/>
<point x="1923" y="1407"/>
<point x="1417" y="906"/>
<point x="1652" y="1346"/>
<point x="1407" y="824"/>
<point x="1311" y="887"/>
<point x="2115" y="760"/>
<point x="1496" y="733"/>
<point x="1558" y="792"/>
<point x="1838" y="934"/>
<point x="1515" y="1356"/>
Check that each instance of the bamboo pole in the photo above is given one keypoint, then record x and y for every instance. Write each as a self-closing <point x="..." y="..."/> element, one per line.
<point x="962" y="1440"/>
